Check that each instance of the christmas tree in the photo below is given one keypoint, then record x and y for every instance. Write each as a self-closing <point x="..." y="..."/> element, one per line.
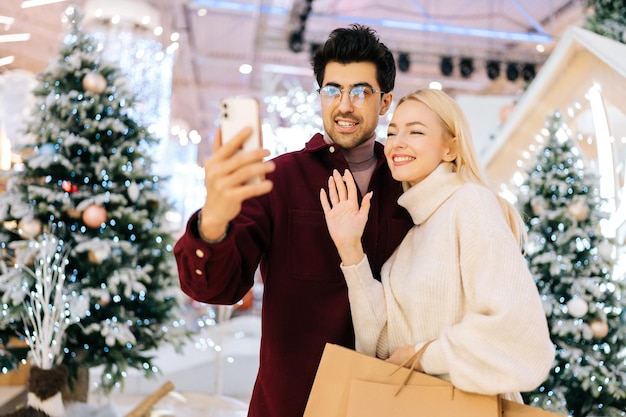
<point x="88" y="176"/>
<point x="607" y="18"/>
<point x="572" y="263"/>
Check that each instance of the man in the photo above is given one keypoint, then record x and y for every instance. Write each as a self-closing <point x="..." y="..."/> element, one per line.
<point x="280" y="224"/>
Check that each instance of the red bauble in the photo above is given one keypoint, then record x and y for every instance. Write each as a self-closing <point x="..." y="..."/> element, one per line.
<point x="68" y="187"/>
<point x="94" y="216"/>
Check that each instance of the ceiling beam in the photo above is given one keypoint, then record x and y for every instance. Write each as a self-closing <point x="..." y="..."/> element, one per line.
<point x="529" y="18"/>
<point x="390" y="23"/>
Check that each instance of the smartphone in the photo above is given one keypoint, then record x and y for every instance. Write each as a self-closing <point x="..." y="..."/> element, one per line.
<point x="238" y="112"/>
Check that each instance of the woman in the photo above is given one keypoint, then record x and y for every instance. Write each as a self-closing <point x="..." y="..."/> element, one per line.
<point x="459" y="280"/>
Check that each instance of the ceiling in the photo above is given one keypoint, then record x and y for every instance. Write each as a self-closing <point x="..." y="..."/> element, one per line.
<point x="217" y="36"/>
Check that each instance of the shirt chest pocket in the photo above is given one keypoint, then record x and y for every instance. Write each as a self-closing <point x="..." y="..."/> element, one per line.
<point x="312" y="253"/>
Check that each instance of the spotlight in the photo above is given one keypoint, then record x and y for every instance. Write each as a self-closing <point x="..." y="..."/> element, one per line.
<point x="528" y="71"/>
<point x="404" y="62"/>
<point x="493" y="69"/>
<point x="466" y="65"/>
<point x="298" y="17"/>
<point x="512" y="71"/>
<point x="446" y="65"/>
<point x="314" y="46"/>
<point x="296" y="41"/>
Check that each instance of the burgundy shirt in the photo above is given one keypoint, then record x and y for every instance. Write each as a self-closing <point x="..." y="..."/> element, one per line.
<point x="305" y="299"/>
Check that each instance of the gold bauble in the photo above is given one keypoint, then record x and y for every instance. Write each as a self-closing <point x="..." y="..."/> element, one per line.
<point x="74" y="213"/>
<point x="578" y="210"/>
<point x="29" y="228"/>
<point x="94" y="82"/>
<point x="599" y="328"/>
<point x="94" y="216"/>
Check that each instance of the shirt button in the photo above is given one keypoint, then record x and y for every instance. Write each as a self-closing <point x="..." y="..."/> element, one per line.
<point x="198" y="272"/>
<point x="200" y="253"/>
<point x="331" y="149"/>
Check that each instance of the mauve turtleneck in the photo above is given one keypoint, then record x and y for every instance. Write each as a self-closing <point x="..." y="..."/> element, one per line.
<point x="361" y="161"/>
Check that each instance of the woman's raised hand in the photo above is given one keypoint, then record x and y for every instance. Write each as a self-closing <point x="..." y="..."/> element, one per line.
<point x="344" y="218"/>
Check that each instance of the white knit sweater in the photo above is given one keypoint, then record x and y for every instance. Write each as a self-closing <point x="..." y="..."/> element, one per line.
<point x="459" y="278"/>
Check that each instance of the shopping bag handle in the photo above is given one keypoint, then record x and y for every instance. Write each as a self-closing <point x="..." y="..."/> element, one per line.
<point x="413" y="360"/>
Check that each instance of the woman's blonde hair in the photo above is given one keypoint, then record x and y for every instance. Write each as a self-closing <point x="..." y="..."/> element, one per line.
<point x="466" y="163"/>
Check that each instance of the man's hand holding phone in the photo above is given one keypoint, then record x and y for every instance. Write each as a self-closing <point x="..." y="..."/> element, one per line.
<point x="230" y="175"/>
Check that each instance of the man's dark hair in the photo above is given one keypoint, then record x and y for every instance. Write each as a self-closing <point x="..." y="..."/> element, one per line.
<point x="356" y="43"/>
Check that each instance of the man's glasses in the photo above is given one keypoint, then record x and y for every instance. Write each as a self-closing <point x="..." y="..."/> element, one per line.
<point x="359" y="94"/>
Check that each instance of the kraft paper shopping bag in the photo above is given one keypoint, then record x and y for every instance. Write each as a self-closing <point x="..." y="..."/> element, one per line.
<point x="351" y="384"/>
<point x="372" y="399"/>
<point x="344" y="378"/>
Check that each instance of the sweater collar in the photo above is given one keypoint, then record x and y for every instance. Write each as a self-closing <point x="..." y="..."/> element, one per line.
<point x="425" y="197"/>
